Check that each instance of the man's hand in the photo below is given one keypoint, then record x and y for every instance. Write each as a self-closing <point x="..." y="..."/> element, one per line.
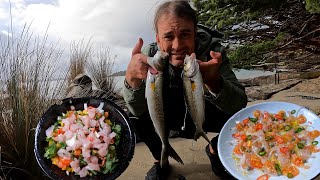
<point x="137" y="68"/>
<point x="209" y="71"/>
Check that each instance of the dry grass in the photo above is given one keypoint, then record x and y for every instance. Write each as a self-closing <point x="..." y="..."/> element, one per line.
<point x="100" y="70"/>
<point x="27" y="70"/>
<point x="80" y="55"/>
<point x="97" y="66"/>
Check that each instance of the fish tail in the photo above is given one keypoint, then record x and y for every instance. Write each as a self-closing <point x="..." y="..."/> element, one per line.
<point x="201" y="133"/>
<point x="172" y="153"/>
<point x="164" y="157"/>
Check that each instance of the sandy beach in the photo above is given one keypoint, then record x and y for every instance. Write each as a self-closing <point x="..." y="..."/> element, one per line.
<point x="197" y="165"/>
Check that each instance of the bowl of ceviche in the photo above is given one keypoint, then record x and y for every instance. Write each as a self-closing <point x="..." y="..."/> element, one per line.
<point x="87" y="138"/>
<point x="271" y="140"/>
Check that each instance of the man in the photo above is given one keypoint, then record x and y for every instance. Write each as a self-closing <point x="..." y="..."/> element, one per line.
<point x="178" y="34"/>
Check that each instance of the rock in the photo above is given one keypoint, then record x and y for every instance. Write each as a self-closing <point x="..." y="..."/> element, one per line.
<point x="80" y="86"/>
<point x="303" y="92"/>
<point x="265" y="80"/>
<point x="266" y="91"/>
<point x="309" y="86"/>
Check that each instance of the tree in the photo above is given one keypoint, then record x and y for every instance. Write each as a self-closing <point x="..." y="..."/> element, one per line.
<point x="257" y="29"/>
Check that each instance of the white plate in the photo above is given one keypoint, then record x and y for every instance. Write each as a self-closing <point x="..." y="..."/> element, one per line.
<point x="225" y="149"/>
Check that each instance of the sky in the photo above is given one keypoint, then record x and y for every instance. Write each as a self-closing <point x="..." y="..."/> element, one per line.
<point x="116" y="24"/>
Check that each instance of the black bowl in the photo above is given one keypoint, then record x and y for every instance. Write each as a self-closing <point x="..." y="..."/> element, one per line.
<point x="125" y="148"/>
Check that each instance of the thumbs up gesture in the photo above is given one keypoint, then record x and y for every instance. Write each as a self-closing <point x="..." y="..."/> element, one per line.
<point x="138" y="67"/>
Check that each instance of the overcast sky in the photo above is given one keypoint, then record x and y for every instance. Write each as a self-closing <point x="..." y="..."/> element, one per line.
<point x="116" y="24"/>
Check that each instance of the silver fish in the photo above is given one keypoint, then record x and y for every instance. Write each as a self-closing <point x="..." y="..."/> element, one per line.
<point x="154" y="85"/>
<point x="194" y="94"/>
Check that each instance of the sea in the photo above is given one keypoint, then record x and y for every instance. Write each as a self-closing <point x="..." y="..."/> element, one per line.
<point x="240" y="74"/>
<point x="56" y="84"/>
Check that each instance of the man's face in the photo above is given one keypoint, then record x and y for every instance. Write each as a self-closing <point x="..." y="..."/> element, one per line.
<point x="176" y="36"/>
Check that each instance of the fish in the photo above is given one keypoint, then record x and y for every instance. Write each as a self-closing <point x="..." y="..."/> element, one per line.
<point x="154" y="96"/>
<point x="193" y="87"/>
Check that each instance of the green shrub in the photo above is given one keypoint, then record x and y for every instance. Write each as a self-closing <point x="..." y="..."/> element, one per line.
<point x="244" y="56"/>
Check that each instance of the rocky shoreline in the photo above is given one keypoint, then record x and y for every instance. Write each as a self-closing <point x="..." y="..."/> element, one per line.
<point x="302" y="88"/>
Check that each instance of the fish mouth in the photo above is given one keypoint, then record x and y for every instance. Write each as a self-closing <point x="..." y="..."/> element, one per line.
<point x="153" y="71"/>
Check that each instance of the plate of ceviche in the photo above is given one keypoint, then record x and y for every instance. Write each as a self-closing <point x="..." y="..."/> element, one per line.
<point x="87" y="138"/>
<point x="271" y="140"/>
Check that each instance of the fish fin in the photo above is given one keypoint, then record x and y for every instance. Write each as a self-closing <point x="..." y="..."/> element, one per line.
<point x="201" y="133"/>
<point x="172" y="153"/>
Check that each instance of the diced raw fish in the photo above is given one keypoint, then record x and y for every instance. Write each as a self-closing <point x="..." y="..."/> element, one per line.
<point x="104" y="150"/>
<point x="49" y="131"/>
<point x="60" y="138"/>
<point x="92" y="166"/>
<point x="94" y="159"/>
<point x="112" y="135"/>
<point x="83" y="172"/>
<point x="64" y="153"/>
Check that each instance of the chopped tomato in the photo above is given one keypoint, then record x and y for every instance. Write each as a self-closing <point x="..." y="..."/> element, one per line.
<point x="245" y="121"/>
<point x="269" y="166"/>
<point x="258" y="126"/>
<point x="313" y="148"/>
<point x="277" y="116"/>
<point x="239" y="126"/>
<point x="279" y="139"/>
<point x="263" y="177"/>
<point x="302" y="119"/>
<point x="284" y="149"/>
<point x="236" y="135"/>
<point x="287" y="138"/>
<point x="297" y="160"/>
<point x="237" y="149"/>
<point x="60" y="131"/>
<point x="255" y="161"/>
<point x="63" y="163"/>
<point x="291" y="170"/>
<point x="314" y="134"/>
<point x="243" y="137"/>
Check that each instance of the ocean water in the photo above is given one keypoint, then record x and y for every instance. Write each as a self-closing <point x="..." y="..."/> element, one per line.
<point x="240" y="74"/>
<point x="56" y="85"/>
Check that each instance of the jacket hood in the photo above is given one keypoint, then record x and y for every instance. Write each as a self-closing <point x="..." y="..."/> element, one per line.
<point x="205" y="40"/>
